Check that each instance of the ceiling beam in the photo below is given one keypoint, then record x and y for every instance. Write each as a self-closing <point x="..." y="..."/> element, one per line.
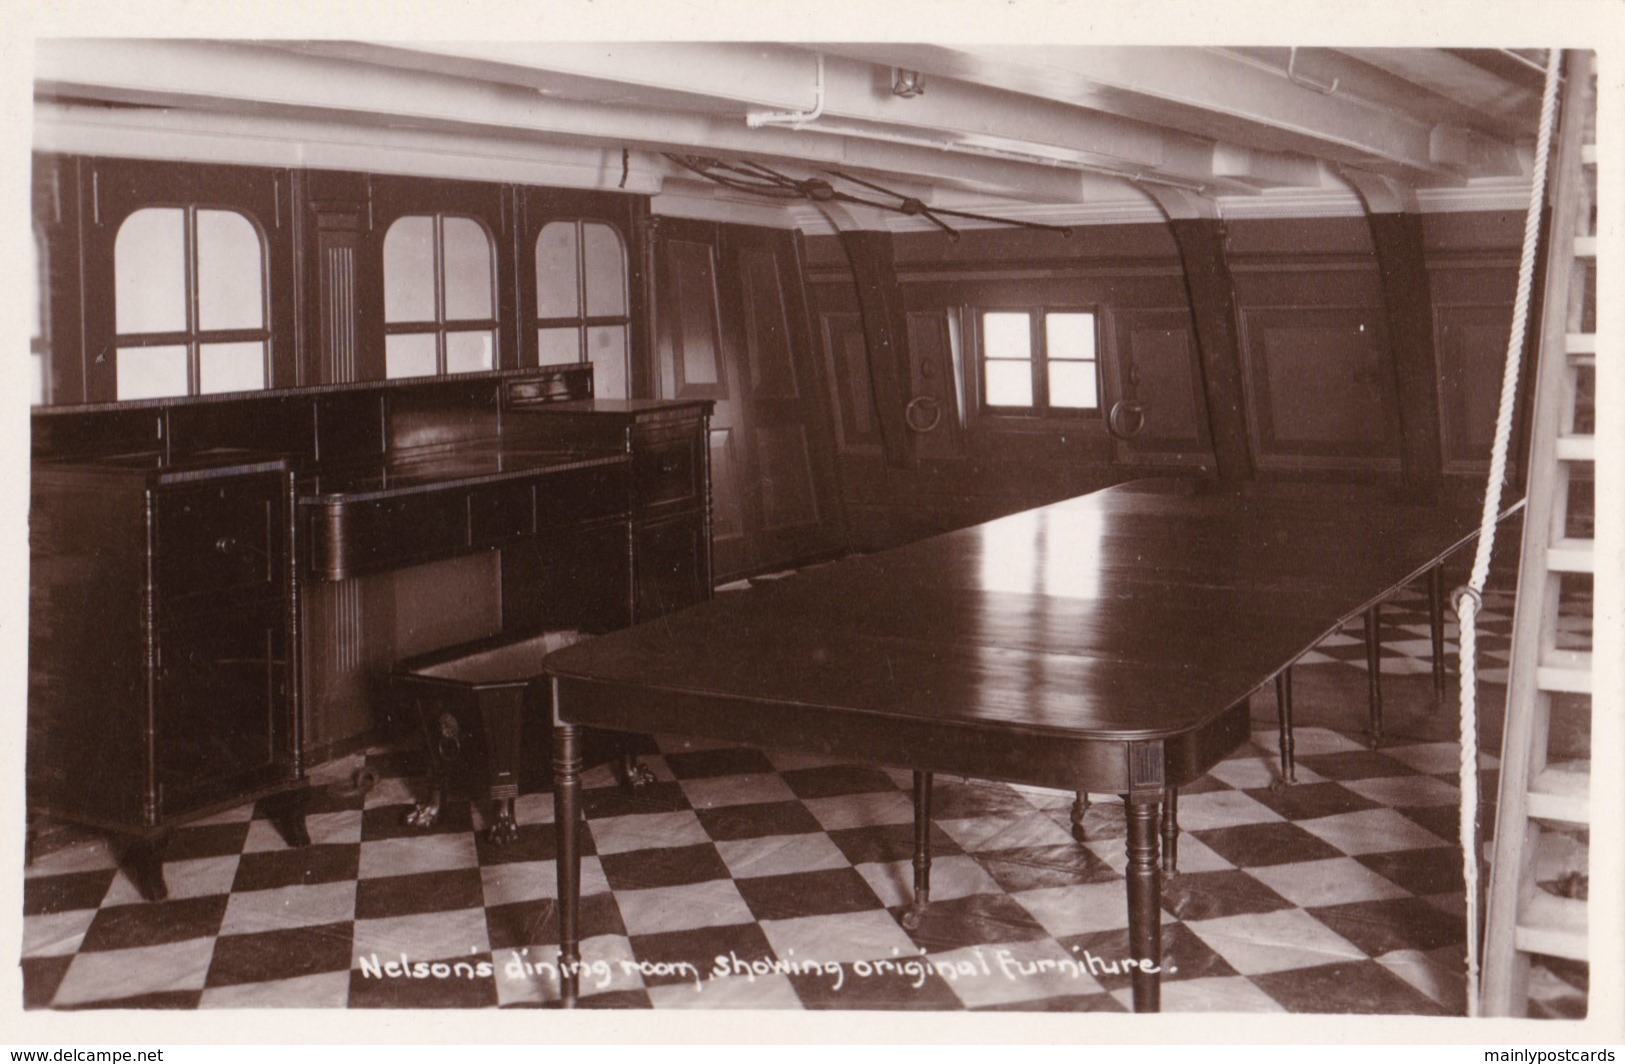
<point x="857" y="101"/>
<point x="1204" y="91"/>
<point x="252" y="79"/>
<point x="1462" y="82"/>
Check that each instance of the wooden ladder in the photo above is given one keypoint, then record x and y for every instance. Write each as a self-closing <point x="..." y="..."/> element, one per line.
<point x="1544" y="804"/>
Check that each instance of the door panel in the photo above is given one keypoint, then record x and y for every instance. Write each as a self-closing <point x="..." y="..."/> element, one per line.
<point x="727" y="520"/>
<point x="789" y="500"/>
<point x="692" y="366"/>
<point x="931" y="377"/>
<point x="767" y="333"/>
<point x="1161" y="372"/>
<point x="1469" y="340"/>
<point x="223" y="692"/>
<point x="847" y="370"/>
<point x="1320" y="388"/>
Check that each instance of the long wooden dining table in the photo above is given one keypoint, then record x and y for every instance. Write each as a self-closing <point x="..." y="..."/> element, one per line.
<point x="1107" y="643"/>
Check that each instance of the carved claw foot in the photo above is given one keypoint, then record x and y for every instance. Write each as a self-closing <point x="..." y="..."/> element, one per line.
<point x="426" y="814"/>
<point x="634" y="773"/>
<point x="504" y="831"/>
<point x="911" y="918"/>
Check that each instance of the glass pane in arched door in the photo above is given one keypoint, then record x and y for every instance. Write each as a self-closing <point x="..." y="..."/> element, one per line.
<point x="230" y="297"/>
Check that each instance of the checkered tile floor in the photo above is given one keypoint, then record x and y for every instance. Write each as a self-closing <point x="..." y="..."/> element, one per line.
<point x="1341" y="894"/>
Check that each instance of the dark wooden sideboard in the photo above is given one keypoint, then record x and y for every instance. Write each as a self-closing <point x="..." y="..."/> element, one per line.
<point x="176" y="547"/>
<point x="163" y="622"/>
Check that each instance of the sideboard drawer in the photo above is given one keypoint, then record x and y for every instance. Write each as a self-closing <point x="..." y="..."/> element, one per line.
<point x="223" y="536"/>
<point x="668" y="467"/>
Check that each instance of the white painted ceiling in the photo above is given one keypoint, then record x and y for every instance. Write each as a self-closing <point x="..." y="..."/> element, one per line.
<point x="1058" y="134"/>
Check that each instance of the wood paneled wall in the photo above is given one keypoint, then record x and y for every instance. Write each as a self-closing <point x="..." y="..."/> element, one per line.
<point x="1321" y="397"/>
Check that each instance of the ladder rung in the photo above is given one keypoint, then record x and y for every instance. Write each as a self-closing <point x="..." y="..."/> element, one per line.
<point x="1577" y="448"/>
<point x="1585" y="247"/>
<point x="1561" y="793"/>
<point x="1588" y="154"/>
<point x="1580" y="343"/>
<point x="1565" y="670"/>
<point x="1571" y="555"/>
<point x="1552" y="926"/>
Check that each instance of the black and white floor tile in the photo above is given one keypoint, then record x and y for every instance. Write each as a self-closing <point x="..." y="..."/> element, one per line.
<point x="766" y="879"/>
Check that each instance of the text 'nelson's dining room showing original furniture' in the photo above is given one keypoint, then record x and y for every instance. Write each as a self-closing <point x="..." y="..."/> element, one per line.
<point x="803" y="526"/>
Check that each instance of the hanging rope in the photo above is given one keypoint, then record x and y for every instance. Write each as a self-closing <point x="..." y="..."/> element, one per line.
<point x="1470" y="599"/>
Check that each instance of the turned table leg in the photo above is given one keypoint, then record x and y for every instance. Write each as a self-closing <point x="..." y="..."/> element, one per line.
<point x="1170" y="831"/>
<point x="1144" y="903"/>
<point x="1373" y="664"/>
<point x="1436" y="627"/>
<point x="567" y="824"/>
<point x="1283" y="700"/>
<point x="1080" y="806"/>
<point x="922" y="849"/>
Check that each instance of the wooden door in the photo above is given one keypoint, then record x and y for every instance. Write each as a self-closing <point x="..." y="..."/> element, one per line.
<point x="731" y="326"/>
<point x="795" y="511"/>
<point x="694" y="364"/>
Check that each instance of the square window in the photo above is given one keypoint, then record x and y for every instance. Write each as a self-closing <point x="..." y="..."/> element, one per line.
<point x="1034" y="372"/>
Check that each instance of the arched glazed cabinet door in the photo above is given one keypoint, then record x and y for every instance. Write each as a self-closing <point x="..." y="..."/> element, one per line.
<point x="440" y="255"/>
<point x="188" y="279"/>
<point x="582" y="286"/>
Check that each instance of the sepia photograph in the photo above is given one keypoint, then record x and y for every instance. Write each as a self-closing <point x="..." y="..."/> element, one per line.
<point x="931" y="519"/>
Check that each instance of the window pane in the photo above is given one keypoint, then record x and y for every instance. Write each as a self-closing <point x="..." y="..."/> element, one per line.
<point x="468" y="255"/>
<point x="1072" y="385"/>
<point x="409" y="270"/>
<point x="410" y="355"/>
<point x="230" y="285"/>
<point x="36" y="384"/>
<point x="1009" y="384"/>
<point x="554" y="346"/>
<point x="557" y="288"/>
<point x="1006" y="335"/>
<point x="231" y="367"/>
<point x="149" y="273"/>
<point x="606" y="347"/>
<point x="1069" y="336"/>
<point x="469" y="352"/>
<point x="148" y="372"/>
<point x="606" y="269"/>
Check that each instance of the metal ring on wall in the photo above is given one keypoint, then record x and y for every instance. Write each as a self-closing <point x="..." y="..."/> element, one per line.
<point x="923" y="402"/>
<point x="1121" y="411"/>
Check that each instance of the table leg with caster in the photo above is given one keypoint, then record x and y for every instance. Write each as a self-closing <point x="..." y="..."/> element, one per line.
<point x="1080" y="806"/>
<point x="1170" y="831"/>
<point x="922" y="850"/>
<point x="1283" y="700"/>
<point x="567" y="823"/>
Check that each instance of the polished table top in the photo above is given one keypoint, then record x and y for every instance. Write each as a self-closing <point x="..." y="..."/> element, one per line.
<point x="1135" y="613"/>
<point x="1106" y="643"/>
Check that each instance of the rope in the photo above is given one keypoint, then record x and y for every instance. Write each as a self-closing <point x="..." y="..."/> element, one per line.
<point x="1469" y="600"/>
